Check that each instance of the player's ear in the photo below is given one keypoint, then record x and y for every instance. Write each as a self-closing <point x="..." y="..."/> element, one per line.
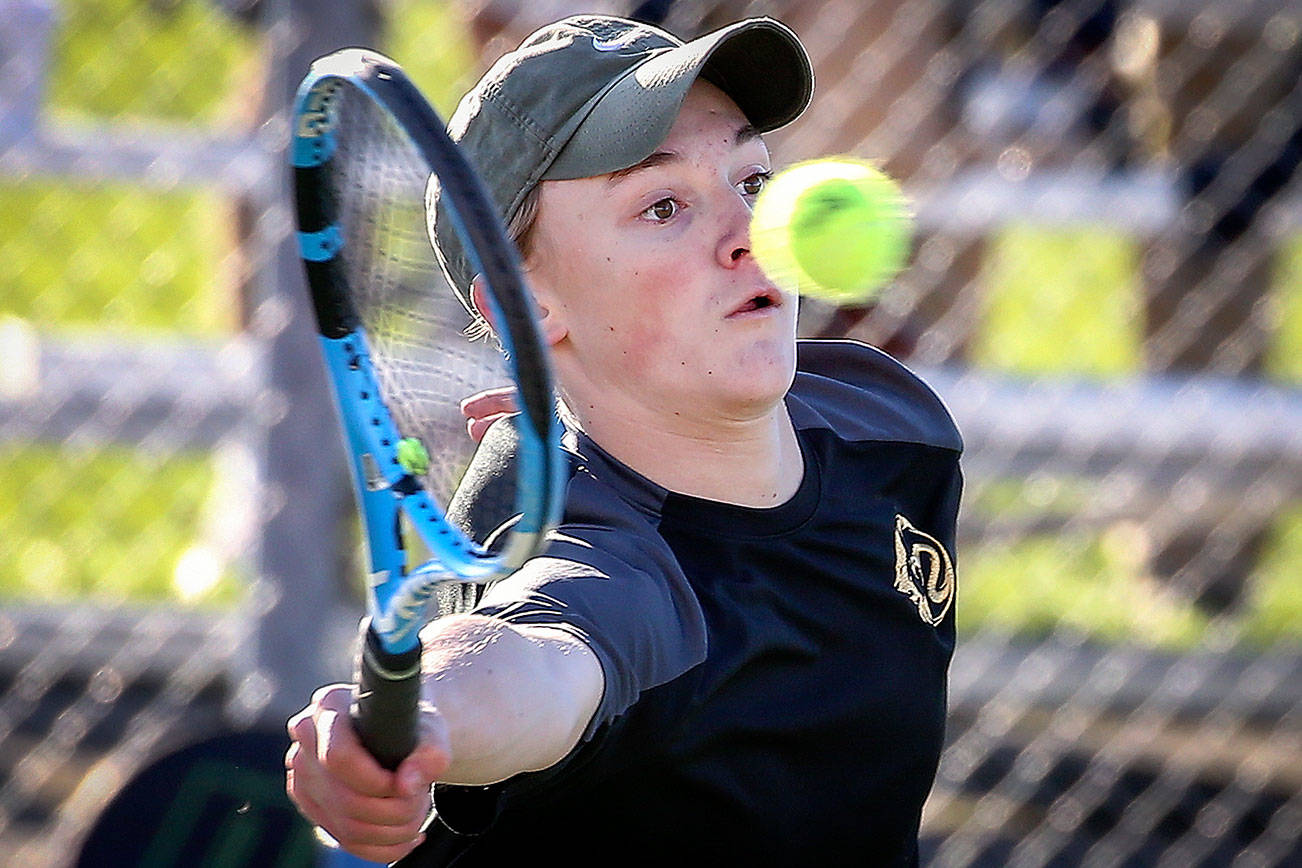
<point x="553" y="330"/>
<point x="479" y="295"/>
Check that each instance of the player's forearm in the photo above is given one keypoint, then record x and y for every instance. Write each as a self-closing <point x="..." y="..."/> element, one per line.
<point x="515" y="698"/>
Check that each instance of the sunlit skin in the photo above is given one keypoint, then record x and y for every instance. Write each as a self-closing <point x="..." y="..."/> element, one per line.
<point x="672" y="349"/>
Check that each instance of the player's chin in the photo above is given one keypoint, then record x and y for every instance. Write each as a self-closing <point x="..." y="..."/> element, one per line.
<point x="764" y="371"/>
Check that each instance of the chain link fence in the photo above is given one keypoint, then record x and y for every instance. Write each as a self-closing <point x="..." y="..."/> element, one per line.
<point x="1106" y="289"/>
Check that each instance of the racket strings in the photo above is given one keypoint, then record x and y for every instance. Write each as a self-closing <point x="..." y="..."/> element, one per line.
<point x="415" y="326"/>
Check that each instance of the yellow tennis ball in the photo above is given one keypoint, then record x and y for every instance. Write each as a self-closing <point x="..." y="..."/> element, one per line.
<point x="835" y="229"/>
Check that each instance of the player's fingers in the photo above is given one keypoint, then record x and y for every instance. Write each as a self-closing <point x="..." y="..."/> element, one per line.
<point x="388" y="820"/>
<point x="341" y="754"/>
<point x="302" y="731"/>
<point x="367" y="844"/>
<point x="309" y="807"/>
<point x="308" y="787"/>
<point x="352" y="818"/>
<point x="360" y="821"/>
<point x="384" y="855"/>
<point x="490" y="402"/>
<point x="302" y="750"/>
<point x="427" y="763"/>
<point x="479" y="426"/>
<point x="335" y="697"/>
<point x="332" y="698"/>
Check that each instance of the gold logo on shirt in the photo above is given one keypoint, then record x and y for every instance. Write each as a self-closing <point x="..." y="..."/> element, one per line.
<point x="923" y="571"/>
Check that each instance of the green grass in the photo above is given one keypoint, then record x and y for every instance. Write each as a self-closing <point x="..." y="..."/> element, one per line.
<point x="1078" y="583"/>
<point x="129" y="260"/>
<point x="177" y="60"/>
<point x="110" y="525"/>
<point x="1060" y="302"/>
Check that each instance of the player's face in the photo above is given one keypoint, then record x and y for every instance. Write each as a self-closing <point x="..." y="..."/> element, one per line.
<point x="649" y="280"/>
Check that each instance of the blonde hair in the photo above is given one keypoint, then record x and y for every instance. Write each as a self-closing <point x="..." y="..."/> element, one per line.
<point x="520" y="230"/>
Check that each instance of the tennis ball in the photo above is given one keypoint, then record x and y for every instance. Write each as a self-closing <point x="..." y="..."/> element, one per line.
<point x="835" y="229"/>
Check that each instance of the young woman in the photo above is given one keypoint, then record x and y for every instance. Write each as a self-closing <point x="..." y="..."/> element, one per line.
<point x="735" y="646"/>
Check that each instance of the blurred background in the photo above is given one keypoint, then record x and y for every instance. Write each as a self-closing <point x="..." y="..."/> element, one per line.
<point x="1106" y="289"/>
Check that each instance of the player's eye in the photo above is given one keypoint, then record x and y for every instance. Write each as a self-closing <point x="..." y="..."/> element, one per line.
<point x="751" y="185"/>
<point x="665" y="209"/>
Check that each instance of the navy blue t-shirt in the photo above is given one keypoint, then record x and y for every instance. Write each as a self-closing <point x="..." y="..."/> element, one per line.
<point x="774" y="678"/>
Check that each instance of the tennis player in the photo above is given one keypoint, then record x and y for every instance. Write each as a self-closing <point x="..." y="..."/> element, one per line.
<point x="735" y="647"/>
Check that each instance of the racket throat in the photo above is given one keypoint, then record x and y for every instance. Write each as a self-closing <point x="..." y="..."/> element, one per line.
<point x="397" y="620"/>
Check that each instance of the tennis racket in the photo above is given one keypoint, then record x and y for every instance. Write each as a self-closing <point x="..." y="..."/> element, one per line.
<point x="365" y="142"/>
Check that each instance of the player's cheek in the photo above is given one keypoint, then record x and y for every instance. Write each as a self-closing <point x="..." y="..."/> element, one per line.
<point x="647" y="342"/>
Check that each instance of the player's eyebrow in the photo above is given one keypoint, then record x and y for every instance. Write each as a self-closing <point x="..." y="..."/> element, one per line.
<point x="656" y="158"/>
<point x="742" y="135"/>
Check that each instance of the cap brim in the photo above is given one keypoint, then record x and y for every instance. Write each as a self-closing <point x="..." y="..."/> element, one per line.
<point x="759" y="63"/>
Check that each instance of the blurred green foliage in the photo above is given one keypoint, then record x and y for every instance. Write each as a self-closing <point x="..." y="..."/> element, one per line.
<point x="1275" y="606"/>
<point x="1061" y="302"/>
<point x="1068" y="303"/>
<point x="109" y="523"/>
<point x="115" y="259"/>
<point x="113" y="256"/>
<point x="1088" y="584"/>
<point x="178" y="60"/>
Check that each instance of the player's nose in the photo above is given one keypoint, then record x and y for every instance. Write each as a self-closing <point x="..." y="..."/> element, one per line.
<point x="734" y="237"/>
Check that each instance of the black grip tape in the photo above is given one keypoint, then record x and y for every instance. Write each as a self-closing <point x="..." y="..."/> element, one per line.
<point x="314" y="203"/>
<point x="386" y="706"/>
<point x="335" y="315"/>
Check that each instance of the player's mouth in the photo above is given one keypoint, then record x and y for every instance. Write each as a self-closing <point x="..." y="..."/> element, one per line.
<point x="766" y="300"/>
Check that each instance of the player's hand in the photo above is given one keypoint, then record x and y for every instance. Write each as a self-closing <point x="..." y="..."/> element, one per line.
<point x="373" y="813"/>
<point x="484" y="408"/>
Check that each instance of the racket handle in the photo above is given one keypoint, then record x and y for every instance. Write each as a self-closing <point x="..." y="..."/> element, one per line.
<point x="386" y="705"/>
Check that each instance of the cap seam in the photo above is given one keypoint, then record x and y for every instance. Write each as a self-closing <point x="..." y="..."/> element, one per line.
<point x="517" y="114"/>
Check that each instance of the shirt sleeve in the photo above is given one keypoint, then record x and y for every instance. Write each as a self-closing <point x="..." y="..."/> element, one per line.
<point x="622" y="593"/>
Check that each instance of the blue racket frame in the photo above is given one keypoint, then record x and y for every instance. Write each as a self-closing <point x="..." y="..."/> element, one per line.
<point x="397" y="597"/>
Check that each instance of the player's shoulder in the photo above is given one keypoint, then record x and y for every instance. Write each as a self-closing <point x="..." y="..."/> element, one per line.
<point x="611" y="513"/>
<point x="862" y="393"/>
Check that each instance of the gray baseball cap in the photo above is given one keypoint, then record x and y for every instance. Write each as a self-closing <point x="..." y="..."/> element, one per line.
<point x="594" y="94"/>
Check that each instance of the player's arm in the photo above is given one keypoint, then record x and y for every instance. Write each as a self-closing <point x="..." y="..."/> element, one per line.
<point x="499" y="699"/>
<point x="515" y="698"/>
